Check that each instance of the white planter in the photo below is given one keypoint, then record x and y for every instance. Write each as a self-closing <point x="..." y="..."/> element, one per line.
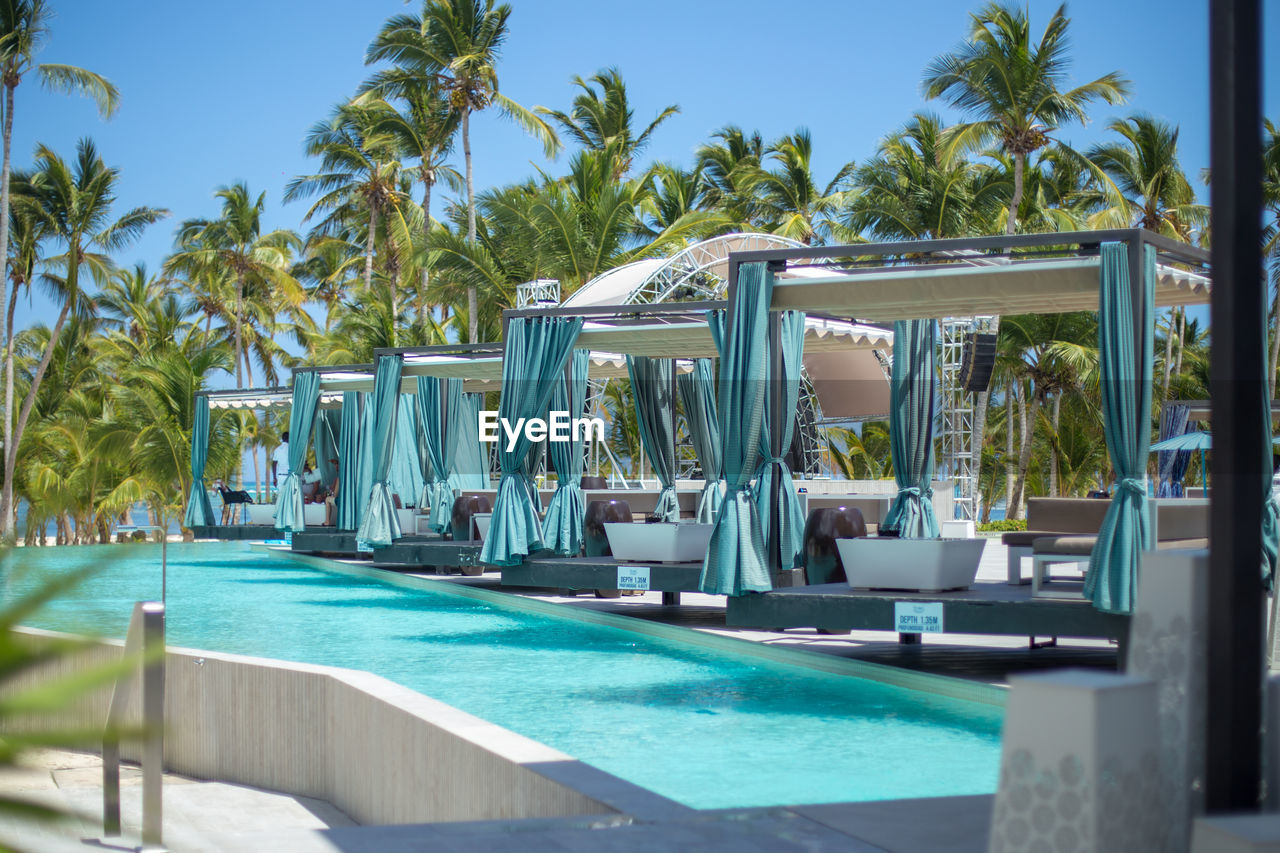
<point x="667" y="542"/>
<point x="918" y="565"/>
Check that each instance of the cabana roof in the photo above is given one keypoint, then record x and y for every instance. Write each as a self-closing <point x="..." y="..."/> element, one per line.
<point x="258" y="399"/>
<point x="1024" y="274"/>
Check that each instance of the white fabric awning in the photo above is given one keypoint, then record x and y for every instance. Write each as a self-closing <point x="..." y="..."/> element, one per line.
<point x="885" y="294"/>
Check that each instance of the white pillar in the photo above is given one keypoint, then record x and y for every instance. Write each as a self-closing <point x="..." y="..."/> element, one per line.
<point x="1080" y="766"/>
<point x="1168" y="644"/>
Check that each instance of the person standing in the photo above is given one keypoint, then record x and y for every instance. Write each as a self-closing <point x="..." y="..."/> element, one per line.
<point x="280" y="461"/>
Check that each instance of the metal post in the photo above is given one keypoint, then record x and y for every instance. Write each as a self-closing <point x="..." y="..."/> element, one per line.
<point x="1233" y="746"/>
<point x="145" y="636"/>
<point x="780" y="573"/>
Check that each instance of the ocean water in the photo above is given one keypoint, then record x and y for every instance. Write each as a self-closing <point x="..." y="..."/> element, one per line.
<point x="704" y="727"/>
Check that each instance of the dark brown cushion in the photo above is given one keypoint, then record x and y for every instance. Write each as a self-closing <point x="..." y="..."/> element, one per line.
<point x="1175" y="544"/>
<point x="1070" y="546"/>
<point x="1024" y="538"/>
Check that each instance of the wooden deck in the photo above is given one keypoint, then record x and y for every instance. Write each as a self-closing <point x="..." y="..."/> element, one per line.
<point x="988" y="607"/>
<point x="599" y="573"/>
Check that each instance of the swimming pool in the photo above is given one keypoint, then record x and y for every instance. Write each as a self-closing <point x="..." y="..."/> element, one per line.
<point x="707" y="728"/>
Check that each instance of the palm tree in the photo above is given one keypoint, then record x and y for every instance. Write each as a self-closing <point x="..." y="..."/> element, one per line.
<point x="456" y="44"/>
<point x="24" y="26"/>
<point x="361" y="177"/>
<point x="916" y="188"/>
<point x="424" y="132"/>
<point x="730" y="167"/>
<point x="75" y="202"/>
<point x="1154" y="192"/>
<point x="787" y="198"/>
<point x="601" y="120"/>
<point x="233" y="246"/>
<point x="1010" y="89"/>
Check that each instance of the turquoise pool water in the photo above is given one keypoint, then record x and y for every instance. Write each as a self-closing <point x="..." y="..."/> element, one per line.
<point x="706" y="728"/>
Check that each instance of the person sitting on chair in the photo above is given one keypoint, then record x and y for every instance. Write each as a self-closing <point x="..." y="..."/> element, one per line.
<point x="311" y="490"/>
<point x="230" y="498"/>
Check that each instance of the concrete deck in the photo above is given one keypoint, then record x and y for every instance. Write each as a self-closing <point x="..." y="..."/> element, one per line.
<point x="198" y="815"/>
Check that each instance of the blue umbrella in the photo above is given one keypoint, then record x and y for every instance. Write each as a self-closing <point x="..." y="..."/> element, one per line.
<point x="1194" y="440"/>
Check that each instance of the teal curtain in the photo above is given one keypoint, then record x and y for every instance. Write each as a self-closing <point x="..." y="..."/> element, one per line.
<point x="652" y="390"/>
<point x="405" y="477"/>
<point x="348" y="499"/>
<point x="328" y="426"/>
<point x="735" y="561"/>
<point x="568" y="507"/>
<point x="199" y="510"/>
<point x="379" y="526"/>
<point x="364" y="458"/>
<point x="432" y="416"/>
<point x="773" y="462"/>
<point x="911" y="399"/>
<point x="715" y="322"/>
<point x="537" y="349"/>
<point x="470" y="466"/>
<point x="302" y="418"/>
<point x="1126" y="420"/>
<point x="698" y="394"/>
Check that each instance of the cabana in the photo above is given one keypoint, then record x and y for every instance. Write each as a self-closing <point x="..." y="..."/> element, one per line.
<point x="1123" y="274"/>
<point x="671" y="337"/>
<point x="200" y="517"/>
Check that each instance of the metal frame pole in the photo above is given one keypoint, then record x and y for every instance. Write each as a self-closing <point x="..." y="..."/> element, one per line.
<point x="1233" y="746"/>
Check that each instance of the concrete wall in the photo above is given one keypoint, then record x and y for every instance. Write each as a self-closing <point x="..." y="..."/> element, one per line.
<point x="380" y="752"/>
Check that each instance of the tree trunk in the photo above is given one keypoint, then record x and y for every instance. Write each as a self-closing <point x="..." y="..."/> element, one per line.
<point x="1168" y="350"/>
<point x="1010" y="468"/>
<point x="473" y="310"/>
<point x="6" y="494"/>
<point x="11" y="451"/>
<point x="1055" y="486"/>
<point x="238" y="331"/>
<point x="1011" y="223"/>
<point x="1182" y="340"/>
<point x="424" y="296"/>
<point x="368" y="248"/>
<point x="1029" y="408"/>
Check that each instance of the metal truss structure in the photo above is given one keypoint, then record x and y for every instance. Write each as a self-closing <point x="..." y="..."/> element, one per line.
<point x="955" y="458"/>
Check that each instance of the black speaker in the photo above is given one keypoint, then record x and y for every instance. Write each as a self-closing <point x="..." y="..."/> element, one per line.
<point x="978" y="362"/>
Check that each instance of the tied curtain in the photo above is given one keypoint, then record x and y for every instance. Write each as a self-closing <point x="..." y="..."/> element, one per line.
<point x="773" y="448"/>
<point x="432" y="400"/>
<point x="654" y="394"/>
<point x="1111" y="582"/>
<point x="328" y="426"/>
<point x="199" y="509"/>
<point x="563" y="523"/>
<point x="911" y="400"/>
<point x="348" y="498"/>
<point x="379" y="525"/>
<point x="302" y="418"/>
<point x="735" y="560"/>
<point x="697" y="393"/>
<point x="1171" y="465"/>
<point x="470" y="468"/>
<point x="537" y="349"/>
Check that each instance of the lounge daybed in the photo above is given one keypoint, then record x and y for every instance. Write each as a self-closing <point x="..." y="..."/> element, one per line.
<point x="1053" y="517"/>
<point x="1177" y="523"/>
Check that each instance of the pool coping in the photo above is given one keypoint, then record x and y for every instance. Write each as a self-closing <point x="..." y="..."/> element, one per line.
<point x="939" y="685"/>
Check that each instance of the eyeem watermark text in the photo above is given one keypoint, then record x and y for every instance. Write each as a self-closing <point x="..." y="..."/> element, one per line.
<point x="557" y="427"/>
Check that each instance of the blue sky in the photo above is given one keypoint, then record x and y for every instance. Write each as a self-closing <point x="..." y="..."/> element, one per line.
<point x="215" y="93"/>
